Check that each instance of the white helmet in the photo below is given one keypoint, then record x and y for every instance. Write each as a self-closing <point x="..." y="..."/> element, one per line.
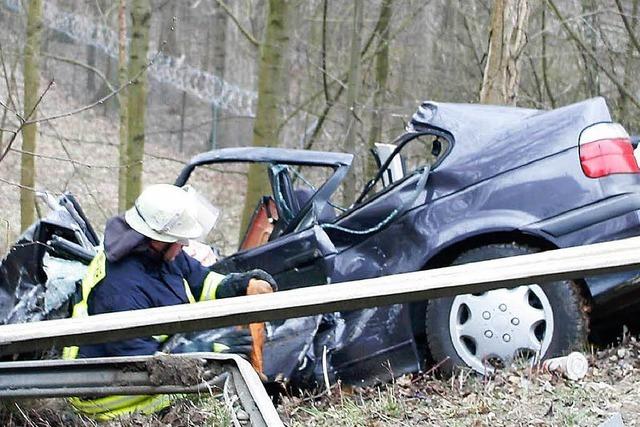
<point x="169" y="214"/>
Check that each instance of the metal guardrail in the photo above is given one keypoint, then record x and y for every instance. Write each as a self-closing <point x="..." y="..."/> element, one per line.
<point x="559" y="264"/>
<point x="40" y="378"/>
<point x="198" y="373"/>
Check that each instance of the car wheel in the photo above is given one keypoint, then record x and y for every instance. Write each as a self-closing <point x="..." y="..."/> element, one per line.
<point x="489" y="330"/>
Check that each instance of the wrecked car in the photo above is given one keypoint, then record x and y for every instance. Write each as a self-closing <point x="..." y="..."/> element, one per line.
<point x="464" y="183"/>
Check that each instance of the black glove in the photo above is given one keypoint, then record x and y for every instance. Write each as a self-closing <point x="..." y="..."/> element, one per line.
<point x="237" y="341"/>
<point x="236" y="284"/>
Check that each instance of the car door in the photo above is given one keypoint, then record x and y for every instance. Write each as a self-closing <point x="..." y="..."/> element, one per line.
<point x="296" y="260"/>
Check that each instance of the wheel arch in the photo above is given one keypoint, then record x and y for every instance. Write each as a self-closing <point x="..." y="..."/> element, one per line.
<point x="447" y="254"/>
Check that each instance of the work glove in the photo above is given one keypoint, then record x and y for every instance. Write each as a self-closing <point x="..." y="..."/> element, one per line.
<point x="237" y="341"/>
<point x="237" y="284"/>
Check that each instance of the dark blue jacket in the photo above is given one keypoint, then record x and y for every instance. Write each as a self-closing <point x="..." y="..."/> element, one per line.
<point x="136" y="278"/>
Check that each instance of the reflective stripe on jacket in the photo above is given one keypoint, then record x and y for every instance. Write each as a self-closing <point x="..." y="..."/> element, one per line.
<point x="129" y="284"/>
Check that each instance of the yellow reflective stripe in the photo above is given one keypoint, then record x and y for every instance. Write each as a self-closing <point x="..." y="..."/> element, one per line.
<point x="70" y="353"/>
<point x="107" y="403"/>
<point x="187" y="290"/>
<point x="218" y="347"/>
<point x="95" y="273"/>
<point x="147" y="407"/>
<point x="110" y="407"/>
<point x="160" y="338"/>
<point x="211" y="283"/>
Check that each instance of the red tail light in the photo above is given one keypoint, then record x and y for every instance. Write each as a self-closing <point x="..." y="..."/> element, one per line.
<point x="605" y="149"/>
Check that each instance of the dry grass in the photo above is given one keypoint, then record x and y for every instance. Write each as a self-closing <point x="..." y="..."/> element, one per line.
<point x="516" y="397"/>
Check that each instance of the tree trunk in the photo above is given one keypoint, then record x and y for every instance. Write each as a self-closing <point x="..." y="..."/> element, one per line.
<point x="589" y="24"/>
<point x="219" y="62"/>
<point x="271" y="74"/>
<point x="140" y="19"/>
<point x="31" y="94"/>
<point x="381" y="75"/>
<point x="545" y="60"/>
<point x="507" y="37"/>
<point x="122" y="98"/>
<point x="629" y="73"/>
<point x="353" y="86"/>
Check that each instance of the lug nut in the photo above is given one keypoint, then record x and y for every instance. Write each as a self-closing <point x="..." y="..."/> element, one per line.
<point x="502" y="307"/>
<point x="515" y="321"/>
<point x="488" y="334"/>
<point x="506" y="337"/>
<point x="486" y="315"/>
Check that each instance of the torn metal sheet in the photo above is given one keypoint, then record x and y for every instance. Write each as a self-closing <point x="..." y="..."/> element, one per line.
<point x="37" y="280"/>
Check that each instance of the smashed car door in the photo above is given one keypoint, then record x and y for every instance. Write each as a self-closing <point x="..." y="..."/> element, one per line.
<point x="296" y="260"/>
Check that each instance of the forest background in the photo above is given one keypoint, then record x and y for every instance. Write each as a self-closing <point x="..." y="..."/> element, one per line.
<point x="100" y="97"/>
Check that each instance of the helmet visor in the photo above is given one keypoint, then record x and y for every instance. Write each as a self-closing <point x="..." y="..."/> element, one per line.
<point x="207" y="214"/>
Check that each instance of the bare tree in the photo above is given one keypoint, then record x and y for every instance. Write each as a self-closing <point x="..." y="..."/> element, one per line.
<point x="219" y="63"/>
<point x="31" y="97"/>
<point x="124" y="111"/>
<point x="137" y="97"/>
<point x="507" y="37"/>
<point x="632" y="45"/>
<point x="271" y="72"/>
<point x="381" y="77"/>
<point x="353" y="86"/>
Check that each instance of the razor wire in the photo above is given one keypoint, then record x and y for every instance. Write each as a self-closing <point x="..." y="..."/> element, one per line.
<point x="165" y="68"/>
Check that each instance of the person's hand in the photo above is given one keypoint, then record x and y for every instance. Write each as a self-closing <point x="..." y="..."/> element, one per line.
<point x="238" y="341"/>
<point x="248" y="283"/>
<point x="258" y="286"/>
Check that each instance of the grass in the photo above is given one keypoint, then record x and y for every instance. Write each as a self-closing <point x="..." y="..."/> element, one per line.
<point x="517" y="396"/>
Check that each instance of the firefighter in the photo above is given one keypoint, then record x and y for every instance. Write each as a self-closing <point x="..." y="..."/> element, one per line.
<point x="143" y="265"/>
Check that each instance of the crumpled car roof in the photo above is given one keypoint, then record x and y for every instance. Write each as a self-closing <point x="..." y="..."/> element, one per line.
<point x="479" y="124"/>
<point x="489" y="140"/>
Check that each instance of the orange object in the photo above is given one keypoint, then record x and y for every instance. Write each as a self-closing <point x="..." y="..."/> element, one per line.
<point x="258" y="334"/>
<point x="261" y="224"/>
<point x="258" y="330"/>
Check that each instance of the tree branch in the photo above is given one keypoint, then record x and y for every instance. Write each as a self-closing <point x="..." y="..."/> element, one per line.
<point x="24" y="122"/>
<point x="324" y="50"/>
<point x="591" y="55"/>
<point x="99" y="101"/>
<point x="235" y="20"/>
<point x="8" y="84"/>
<point x="627" y="25"/>
<point x="83" y="65"/>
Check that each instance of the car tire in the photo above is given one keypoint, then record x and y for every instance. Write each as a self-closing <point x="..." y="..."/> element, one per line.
<point x="505" y="321"/>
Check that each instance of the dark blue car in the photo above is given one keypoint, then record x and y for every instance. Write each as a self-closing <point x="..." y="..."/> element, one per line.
<point x="464" y="183"/>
